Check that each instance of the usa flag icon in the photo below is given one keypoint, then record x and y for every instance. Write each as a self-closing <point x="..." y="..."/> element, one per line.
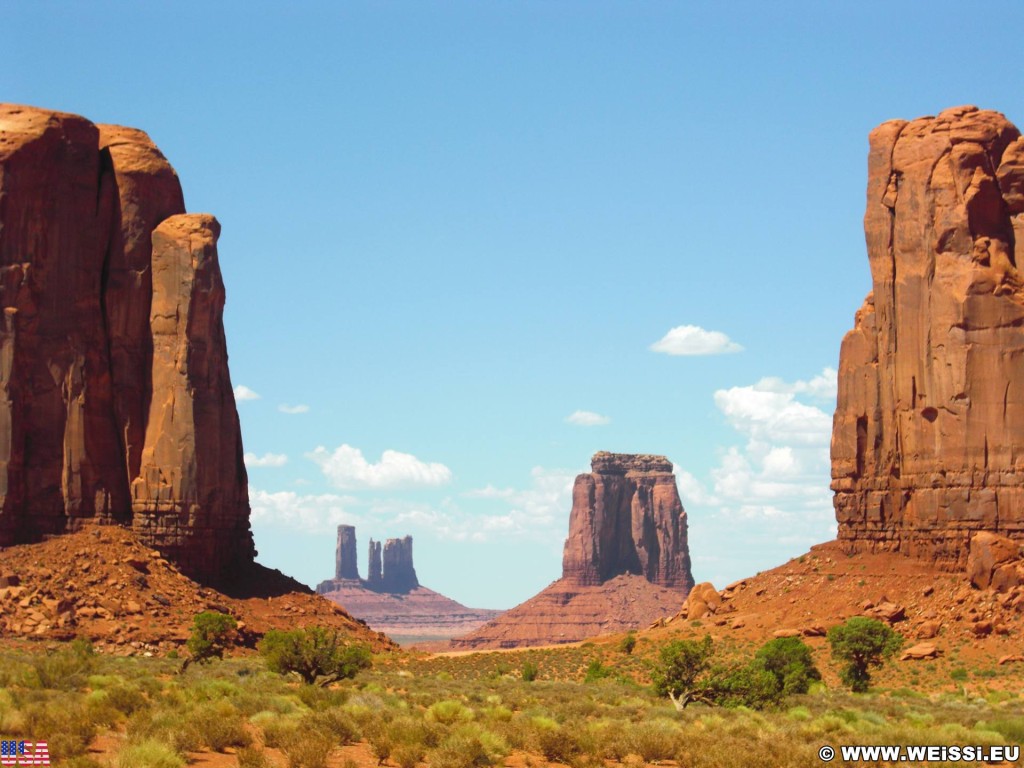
<point x="23" y="753"/>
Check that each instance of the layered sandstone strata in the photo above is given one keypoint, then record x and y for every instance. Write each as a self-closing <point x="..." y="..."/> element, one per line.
<point x="927" y="438"/>
<point x="115" y="399"/>
<point x="626" y="561"/>
<point x="627" y="518"/>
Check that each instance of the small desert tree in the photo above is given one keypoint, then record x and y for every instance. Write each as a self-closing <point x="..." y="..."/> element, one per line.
<point x="789" y="661"/>
<point x="684" y="672"/>
<point x="211" y="632"/>
<point x="315" y="654"/>
<point x="862" y="643"/>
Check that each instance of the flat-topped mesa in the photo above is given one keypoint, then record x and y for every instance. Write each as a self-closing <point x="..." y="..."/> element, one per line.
<point x="620" y="463"/>
<point x="627" y="518"/>
<point x="926" y="441"/>
<point x="115" y="398"/>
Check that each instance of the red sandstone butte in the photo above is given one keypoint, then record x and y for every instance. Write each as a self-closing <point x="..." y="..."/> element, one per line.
<point x="926" y="442"/>
<point x="115" y="398"/>
<point x="626" y="561"/>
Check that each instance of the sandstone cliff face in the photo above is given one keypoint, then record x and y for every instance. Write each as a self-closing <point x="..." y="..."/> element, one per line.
<point x="625" y="564"/>
<point x="399" y="573"/>
<point x="926" y="442"/>
<point x="115" y="400"/>
<point x="627" y="518"/>
<point x="345" y="564"/>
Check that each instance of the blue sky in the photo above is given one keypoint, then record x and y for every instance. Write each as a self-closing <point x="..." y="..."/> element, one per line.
<point x="449" y="227"/>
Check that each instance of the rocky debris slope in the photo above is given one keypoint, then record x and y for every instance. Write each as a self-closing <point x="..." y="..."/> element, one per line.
<point x="391" y="599"/>
<point x="626" y="561"/>
<point x="810" y="594"/>
<point x="925" y="442"/>
<point x="104" y="584"/>
<point x="115" y="398"/>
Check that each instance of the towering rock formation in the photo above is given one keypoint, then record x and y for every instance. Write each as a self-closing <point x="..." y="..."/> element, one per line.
<point x="626" y="561"/>
<point x="115" y="399"/>
<point x="346" y="566"/>
<point x="399" y="573"/>
<point x="375" y="578"/>
<point x="927" y="438"/>
<point x="391" y="599"/>
<point x="627" y="518"/>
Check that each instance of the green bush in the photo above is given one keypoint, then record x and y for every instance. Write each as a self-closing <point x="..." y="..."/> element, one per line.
<point x="596" y="671"/>
<point x="862" y="643"/>
<point x="148" y="754"/>
<point x="627" y="644"/>
<point x="788" y="660"/>
<point x="211" y="634"/>
<point x="316" y="654"/>
<point x="530" y="671"/>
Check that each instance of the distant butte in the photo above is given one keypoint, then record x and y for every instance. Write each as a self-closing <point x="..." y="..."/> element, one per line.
<point x="625" y="564"/>
<point x="926" y="442"/>
<point x="391" y="599"/>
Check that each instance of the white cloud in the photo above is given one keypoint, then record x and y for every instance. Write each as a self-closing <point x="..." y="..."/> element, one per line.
<point x="694" y="340"/>
<point x="293" y="409"/>
<point x="769" y="498"/>
<point x="266" y="460"/>
<point x="242" y="392"/>
<point x="783" y="471"/>
<point x="541" y="508"/>
<point x="346" y="467"/>
<point x="311" y="513"/>
<point x="587" y="419"/>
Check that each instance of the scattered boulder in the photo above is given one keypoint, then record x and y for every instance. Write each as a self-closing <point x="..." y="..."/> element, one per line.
<point x="703" y="600"/>
<point x="921" y="651"/>
<point x="929" y="629"/>
<point x="994" y="561"/>
<point x="887" y="612"/>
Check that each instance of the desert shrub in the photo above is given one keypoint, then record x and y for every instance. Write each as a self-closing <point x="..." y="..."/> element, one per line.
<point x="66" y="669"/>
<point x="959" y="674"/>
<point x="627" y="644"/>
<point x="862" y="643"/>
<point x="217" y="726"/>
<point x="64" y="724"/>
<point x="408" y="755"/>
<point x="211" y="635"/>
<point x="557" y="743"/>
<point x="380" y="743"/>
<point x="316" y="654"/>
<point x="277" y="731"/>
<point x="459" y="750"/>
<point x="448" y="712"/>
<point x="253" y="757"/>
<point x="596" y="671"/>
<point x="653" y="740"/>
<point x="148" y="754"/>
<point x="307" y="750"/>
<point x="529" y="672"/>
<point x="334" y="723"/>
<point x="1010" y="728"/>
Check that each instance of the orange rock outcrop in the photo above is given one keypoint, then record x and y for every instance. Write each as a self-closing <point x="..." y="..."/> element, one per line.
<point x="926" y="443"/>
<point x="626" y="560"/>
<point x="115" y="398"/>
